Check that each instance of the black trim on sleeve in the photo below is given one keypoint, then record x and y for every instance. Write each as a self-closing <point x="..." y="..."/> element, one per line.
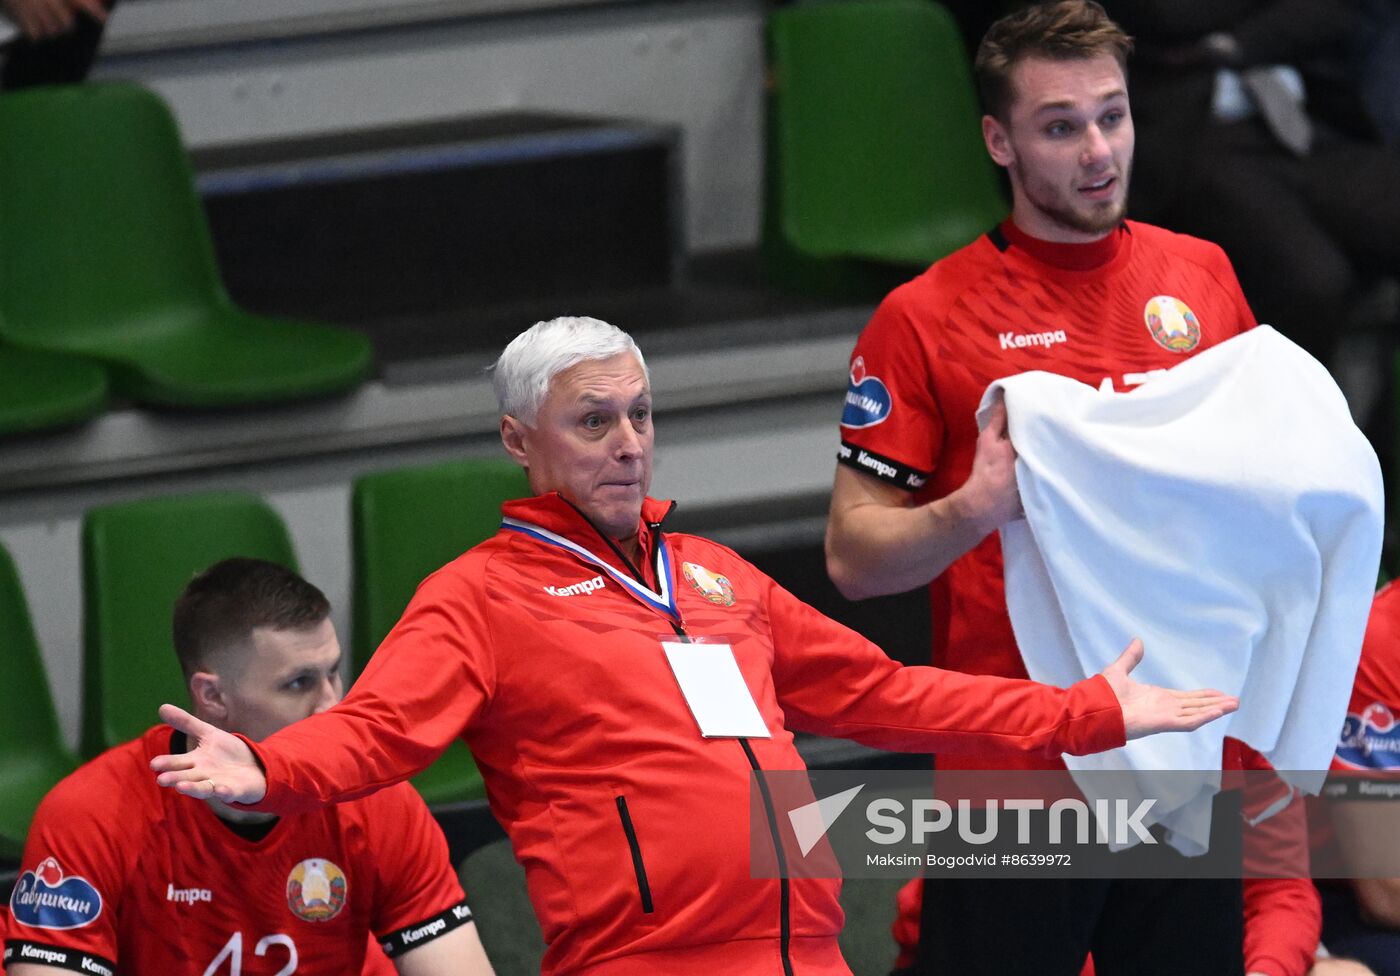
<point x="44" y="954"/>
<point x="1357" y="785"/>
<point x="421" y="933"/>
<point x="878" y="466"/>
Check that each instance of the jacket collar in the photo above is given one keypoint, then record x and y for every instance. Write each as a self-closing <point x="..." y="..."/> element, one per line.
<point x="1067" y="257"/>
<point x="552" y="512"/>
<point x="553" y="521"/>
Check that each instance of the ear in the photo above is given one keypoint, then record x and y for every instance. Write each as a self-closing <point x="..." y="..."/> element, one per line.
<point x="513" y="436"/>
<point x="998" y="141"/>
<point x="207" y="695"/>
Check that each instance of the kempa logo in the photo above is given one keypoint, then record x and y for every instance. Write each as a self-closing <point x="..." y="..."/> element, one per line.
<point x="581" y="588"/>
<point x="55" y="957"/>
<point x="27" y="951"/>
<point x="876" y="465"/>
<point x="424" y="931"/>
<point x="1012" y="340"/>
<point x="187" y="896"/>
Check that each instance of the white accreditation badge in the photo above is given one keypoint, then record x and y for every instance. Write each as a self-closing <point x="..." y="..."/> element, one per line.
<point x="715" y="690"/>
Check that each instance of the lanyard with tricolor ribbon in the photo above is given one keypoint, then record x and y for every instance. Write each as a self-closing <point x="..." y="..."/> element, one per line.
<point x="663" y="602"/>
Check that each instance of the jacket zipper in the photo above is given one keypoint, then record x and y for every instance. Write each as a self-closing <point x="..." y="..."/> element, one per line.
<point x="784" y="885"/>
<point x="784" y="892"/>
<point x="638" y="866"/>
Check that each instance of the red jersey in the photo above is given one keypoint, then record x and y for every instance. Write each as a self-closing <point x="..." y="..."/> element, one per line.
<point x="1370" y="738"/>
<point x="1369" y="742"/>
<point x="1113" y="311"/>
<point x="544" y="650"/>
<point x="1140" y="300"/>
<point x="122" y="876"/>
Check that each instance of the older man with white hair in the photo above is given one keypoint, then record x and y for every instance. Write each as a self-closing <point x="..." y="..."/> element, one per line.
<point x="565" y="651"/>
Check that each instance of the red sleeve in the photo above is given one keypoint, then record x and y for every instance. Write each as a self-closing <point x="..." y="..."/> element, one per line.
<point x="417" y="896"/>
<point x="891" y="425"/>
<point x="1370" y="736"/>
<point x="832" y="681"/>
<point x="1282" y="910"/>
<point x="422" y="688"/>
<point x="908" y="916"/>
<point x="376" y="963"/>
<point x="1282" y="925"/>
<point x="69" y="893"/>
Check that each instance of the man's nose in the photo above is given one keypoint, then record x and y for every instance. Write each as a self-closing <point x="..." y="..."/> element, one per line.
<point x="629" y="441"/>
<point x="1095" y="150"/>
<point x="328" y="694"/>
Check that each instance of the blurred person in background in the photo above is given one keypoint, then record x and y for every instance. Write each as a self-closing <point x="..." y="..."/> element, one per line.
<point x="52" y="42"/>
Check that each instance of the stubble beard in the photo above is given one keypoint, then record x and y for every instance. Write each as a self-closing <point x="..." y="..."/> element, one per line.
<point x="1091" y="219"/>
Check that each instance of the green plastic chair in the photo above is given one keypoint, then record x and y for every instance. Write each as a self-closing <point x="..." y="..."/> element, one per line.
<point x="104" y="251"/>
<point x="137" y="557"/>
<point x="406" y="524"/>
<point x="875" y="148"/>
<point x="32" y="754"/>
<point x="40" y="390"/>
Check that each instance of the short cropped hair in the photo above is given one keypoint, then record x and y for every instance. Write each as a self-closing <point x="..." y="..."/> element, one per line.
<point x="216" y="614"/>
<point x="1065" y="30"/>
<point x="521" y="376"/>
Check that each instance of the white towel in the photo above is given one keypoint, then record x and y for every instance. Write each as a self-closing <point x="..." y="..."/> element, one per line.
<point x="1229" y="513"/>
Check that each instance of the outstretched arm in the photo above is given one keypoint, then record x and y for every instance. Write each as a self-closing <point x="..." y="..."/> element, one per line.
<point x="424" y="686"/>
<point x="219" y="767"/>
<point x="1149" y="709"/>
<point x="832" y="681"/>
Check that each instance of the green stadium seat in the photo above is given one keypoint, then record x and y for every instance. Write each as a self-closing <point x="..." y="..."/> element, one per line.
<point x="406" y="524"/>
<point x="875" y="152"/>
<point x="40" y="390"/>
<point x="137" y="557"/>
<point x="33" y="756"/>
<point x="105" y="252"/>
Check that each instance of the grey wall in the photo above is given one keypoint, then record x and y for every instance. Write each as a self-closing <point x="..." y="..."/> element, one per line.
<point x="697" y="64"/>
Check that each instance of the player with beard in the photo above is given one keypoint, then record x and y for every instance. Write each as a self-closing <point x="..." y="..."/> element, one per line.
<point x="1067" y="285"/>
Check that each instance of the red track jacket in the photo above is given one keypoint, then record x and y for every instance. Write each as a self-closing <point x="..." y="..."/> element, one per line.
<point x="541" y="648"/>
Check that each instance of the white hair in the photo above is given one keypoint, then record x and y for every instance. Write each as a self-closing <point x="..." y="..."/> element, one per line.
<point x="521" y="376"/>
